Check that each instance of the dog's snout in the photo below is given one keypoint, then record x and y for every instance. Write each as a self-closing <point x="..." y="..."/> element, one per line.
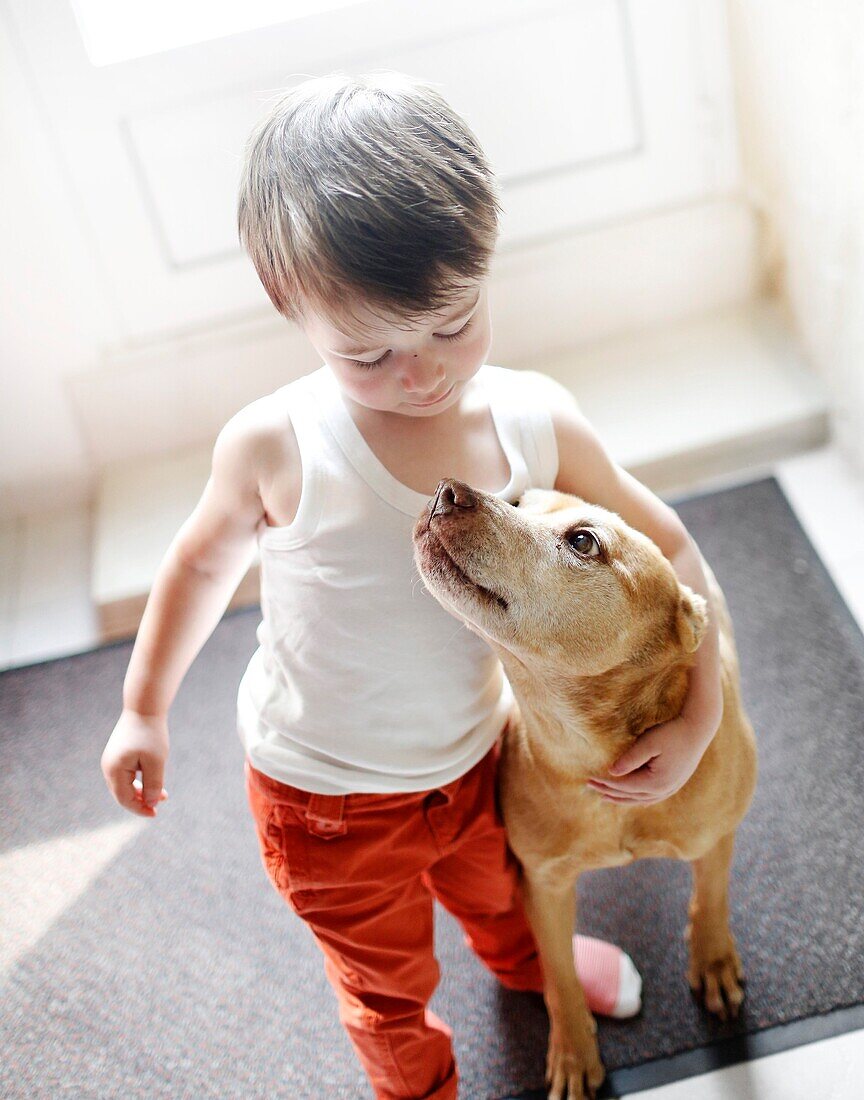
<point x="452" y="494"/>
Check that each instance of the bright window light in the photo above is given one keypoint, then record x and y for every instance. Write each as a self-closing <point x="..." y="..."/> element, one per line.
<point x="119" y="30"/>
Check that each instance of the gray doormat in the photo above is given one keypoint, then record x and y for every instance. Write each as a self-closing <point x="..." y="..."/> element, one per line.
<point x="177" y="971"/>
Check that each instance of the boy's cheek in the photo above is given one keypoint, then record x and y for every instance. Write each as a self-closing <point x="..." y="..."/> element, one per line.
<point x="380" y="391"/>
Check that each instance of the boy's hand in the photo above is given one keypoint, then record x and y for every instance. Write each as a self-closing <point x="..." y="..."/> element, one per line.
<point x="139" y="742"/>
<point x="658" y="764"/>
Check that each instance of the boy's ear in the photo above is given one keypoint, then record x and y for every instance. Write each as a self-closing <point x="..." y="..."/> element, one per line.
<point x="691" y="619"/>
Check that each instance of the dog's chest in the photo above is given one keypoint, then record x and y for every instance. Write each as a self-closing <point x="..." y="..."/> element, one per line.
<point x="633" y="847"/>
<point x="588" y="833"/>
<point x="618" y="843"/>
<point x="551" y="821"/>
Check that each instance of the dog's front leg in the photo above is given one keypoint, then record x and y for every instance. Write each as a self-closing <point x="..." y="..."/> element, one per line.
<point x="715" y="967"/>
<point x="573" y="1065"/>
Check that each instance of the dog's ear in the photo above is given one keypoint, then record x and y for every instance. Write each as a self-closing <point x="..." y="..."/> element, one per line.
<point x="692" y="618"/>
<point x="540" y="501"/>
<point x="534" y="500"/>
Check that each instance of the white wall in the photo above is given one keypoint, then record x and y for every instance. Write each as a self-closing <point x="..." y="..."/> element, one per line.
<point x="53" y="309"/>
<point x="129" y="323"/>
<point x="799" y="73"/>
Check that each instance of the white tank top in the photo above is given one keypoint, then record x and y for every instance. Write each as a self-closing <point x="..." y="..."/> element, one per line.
<point x="362" y="682"/>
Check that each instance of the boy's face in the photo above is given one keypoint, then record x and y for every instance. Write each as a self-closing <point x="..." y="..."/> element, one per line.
<point x="414" y="364"/>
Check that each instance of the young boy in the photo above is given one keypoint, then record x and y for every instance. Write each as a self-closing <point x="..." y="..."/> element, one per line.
<point x="370" y="717"/>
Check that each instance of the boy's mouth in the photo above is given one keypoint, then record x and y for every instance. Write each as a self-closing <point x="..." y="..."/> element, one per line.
<point x="426" y="404"/>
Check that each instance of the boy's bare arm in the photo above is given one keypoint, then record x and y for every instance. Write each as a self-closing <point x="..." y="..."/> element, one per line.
<point x="202" y="567"/>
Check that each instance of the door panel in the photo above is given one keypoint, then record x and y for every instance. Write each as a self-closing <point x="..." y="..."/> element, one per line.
<point x="591" y="113"/>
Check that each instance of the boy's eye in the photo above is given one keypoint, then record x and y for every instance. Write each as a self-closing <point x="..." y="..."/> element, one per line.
<point x="438" y="335"/>
<point x="374" y="363"/>
<point x="455" y="335"/>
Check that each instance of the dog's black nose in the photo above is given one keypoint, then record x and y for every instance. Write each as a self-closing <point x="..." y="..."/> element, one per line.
<point x="449" y="495"/>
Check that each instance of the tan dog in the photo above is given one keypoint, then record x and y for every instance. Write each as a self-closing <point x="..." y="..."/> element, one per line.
<point x="596" y="635"/>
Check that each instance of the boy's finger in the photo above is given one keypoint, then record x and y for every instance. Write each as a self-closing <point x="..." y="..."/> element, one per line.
<point x="627" y="800"/>
<point x="126" y="791"/>
<point x="122" y="785"/>
<point x="631" y="762"/>
<point x="151" y="781"/>
<point x="608" y="788"/>
<point x="147" y="794"/>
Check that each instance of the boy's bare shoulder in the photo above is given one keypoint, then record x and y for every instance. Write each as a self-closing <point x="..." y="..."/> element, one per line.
<point x="261" y="433"/>
<point x="257" y="448"/>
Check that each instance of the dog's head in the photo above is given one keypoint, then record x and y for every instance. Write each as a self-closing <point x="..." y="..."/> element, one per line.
<point x="555" y="579"/>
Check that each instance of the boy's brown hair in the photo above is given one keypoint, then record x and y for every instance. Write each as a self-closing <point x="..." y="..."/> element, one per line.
<point x="367" y="188"/>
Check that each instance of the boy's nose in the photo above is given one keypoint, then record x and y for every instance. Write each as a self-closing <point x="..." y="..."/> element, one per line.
<point x="421" y="381"/>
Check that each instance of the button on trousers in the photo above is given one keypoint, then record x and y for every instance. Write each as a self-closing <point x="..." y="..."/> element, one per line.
<point x="362" y="870"/>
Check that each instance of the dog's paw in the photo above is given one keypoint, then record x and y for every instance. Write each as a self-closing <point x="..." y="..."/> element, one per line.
<point x="573" y="1066"/>
<point x="717" y="976"/>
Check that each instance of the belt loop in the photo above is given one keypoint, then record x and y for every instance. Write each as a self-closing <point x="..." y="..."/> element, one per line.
<point x="324" y="815"/>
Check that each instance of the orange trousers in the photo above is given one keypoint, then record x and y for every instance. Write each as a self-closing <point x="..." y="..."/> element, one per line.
<point x="362" y="870"/>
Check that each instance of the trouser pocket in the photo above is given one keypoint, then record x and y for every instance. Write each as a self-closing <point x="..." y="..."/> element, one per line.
<point x="280" y="842"/>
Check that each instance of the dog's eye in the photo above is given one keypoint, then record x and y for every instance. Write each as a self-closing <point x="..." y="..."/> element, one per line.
<point x="584" y="543"/>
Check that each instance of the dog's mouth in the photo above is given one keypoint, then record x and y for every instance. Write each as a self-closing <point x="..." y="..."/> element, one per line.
<point x="443" y="557"/>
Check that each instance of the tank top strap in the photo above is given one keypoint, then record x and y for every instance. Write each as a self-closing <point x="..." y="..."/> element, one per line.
<point x="504" y="405"/>
<point x="524" y="414"/>
<point x="305" y="416"/>
<point x="326" y="435"/>
<point x="365" y="463"/>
